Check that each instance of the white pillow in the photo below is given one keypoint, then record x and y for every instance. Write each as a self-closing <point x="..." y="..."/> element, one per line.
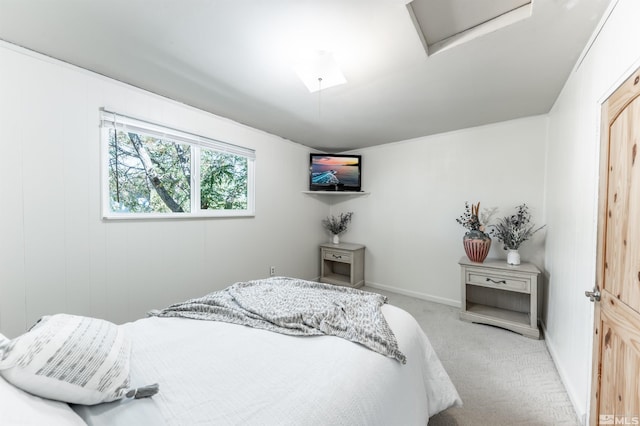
<point x="19" y="408"/>
<point x="70" y="358"/>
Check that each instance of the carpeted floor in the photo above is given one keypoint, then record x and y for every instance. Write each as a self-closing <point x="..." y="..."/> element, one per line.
<point x="502" y="377"/>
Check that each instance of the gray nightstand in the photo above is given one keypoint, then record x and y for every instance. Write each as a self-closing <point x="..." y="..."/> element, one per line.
<point x="502" y="295"/>
<point x="342" y="264"/>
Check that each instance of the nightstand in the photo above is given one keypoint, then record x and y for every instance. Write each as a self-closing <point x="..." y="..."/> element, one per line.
<point x="502" y="295"/>
<point x="342" y="264"/>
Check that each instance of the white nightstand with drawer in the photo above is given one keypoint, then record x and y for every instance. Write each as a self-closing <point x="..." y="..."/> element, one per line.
<point x="502" y="295"/>
<point x="342" y="264"/>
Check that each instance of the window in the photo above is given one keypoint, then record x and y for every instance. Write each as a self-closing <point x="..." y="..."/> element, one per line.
<point x="151" y="171"/>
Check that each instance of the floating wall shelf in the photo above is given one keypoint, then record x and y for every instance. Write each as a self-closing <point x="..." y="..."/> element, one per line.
<point x="352" y="193"/>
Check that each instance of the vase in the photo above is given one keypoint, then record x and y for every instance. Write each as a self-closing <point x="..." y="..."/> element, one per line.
<point x="513" y="257"/>
<point x="476" y="245"/>
<point x="336" y="239"/>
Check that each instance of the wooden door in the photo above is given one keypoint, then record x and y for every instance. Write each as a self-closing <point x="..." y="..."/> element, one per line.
<point x="615" y="396"/>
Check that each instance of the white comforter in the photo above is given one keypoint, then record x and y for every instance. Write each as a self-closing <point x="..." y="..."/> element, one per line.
<point x="215" y="373"/>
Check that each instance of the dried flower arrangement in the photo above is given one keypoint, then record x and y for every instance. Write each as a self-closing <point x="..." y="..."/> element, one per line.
<point x="514" y="230"/>
<point x="472" y="219"/>
<point x="337" y="225"/>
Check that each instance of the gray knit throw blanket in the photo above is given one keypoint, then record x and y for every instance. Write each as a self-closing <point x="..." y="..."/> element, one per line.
<point x="299" y="308"/>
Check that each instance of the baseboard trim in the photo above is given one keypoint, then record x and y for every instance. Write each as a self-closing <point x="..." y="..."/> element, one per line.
<point x="416" y="294"/>
<point x="580" y="411"/>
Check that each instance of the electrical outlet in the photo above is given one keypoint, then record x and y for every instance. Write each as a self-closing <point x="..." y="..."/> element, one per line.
<point x="272" y="271"/>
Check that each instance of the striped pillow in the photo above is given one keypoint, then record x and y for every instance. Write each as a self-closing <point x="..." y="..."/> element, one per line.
<point x="69" y="358"/>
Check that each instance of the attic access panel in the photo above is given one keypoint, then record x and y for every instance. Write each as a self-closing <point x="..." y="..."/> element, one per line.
<point x="444" y="23"/>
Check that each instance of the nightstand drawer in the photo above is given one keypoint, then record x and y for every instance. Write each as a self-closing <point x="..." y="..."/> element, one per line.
<point x="337" y="256"/>
<point x="512" y="283"/>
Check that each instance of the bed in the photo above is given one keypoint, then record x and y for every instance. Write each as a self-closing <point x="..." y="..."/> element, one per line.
<point x="221" y="373"/>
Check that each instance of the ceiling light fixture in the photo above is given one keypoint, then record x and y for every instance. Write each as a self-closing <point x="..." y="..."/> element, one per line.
<point x="319" y="71"/>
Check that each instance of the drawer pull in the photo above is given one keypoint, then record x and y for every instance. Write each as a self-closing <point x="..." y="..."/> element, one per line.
<point x="496" y="282"/>
<point x="335" y="256"/>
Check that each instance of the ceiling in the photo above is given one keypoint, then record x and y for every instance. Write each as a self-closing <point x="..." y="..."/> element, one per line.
<point x="412" y="69"/>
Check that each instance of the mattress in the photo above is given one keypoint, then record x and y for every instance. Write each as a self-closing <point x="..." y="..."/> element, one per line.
<point x="217" y="373"/>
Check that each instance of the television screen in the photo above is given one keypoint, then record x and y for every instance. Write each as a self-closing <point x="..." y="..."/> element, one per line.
<point x="332" y="172"/>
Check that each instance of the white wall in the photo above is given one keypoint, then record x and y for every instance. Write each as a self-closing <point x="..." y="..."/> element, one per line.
<point x="57" y="255"/>
<point x="571" y="195"/>
<point x="419" y="187"/>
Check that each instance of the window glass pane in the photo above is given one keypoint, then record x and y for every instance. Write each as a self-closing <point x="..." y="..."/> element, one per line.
<point x="148" y="174"/>
<point x="223" y="181"/>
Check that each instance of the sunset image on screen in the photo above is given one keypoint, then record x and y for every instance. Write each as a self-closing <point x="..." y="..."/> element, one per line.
<point x="332" y="170"/>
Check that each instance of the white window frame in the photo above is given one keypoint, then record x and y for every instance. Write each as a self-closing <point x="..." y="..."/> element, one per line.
<point x="109" y="120"/>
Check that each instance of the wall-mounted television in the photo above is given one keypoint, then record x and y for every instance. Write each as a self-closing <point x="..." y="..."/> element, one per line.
<point x="335" y="172"/>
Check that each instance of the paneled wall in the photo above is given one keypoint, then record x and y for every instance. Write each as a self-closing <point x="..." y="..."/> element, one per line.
<point x="57" y="255"/>
<point x="419" y="187"/>
<point x="572" y="196"/>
